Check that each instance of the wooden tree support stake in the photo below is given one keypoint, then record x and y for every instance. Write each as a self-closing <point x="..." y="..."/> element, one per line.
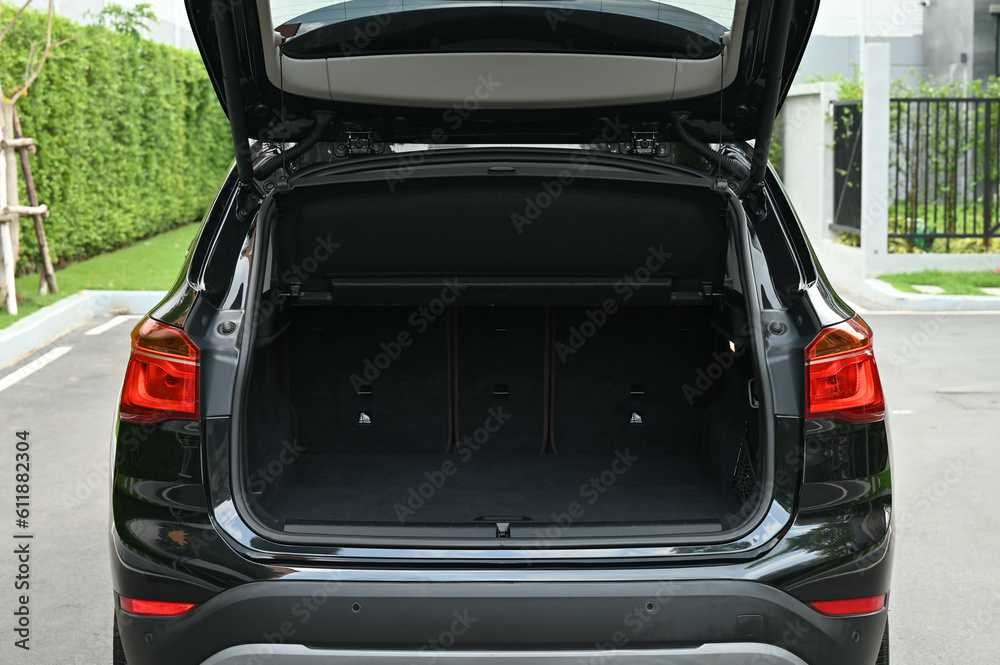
<point x="12" y="140"/>
<point x="47" y="281"/>
<point x="17" y="143"/>
<point x="8" y="196"/>
<point x="8" y="263"/>
<point x="25" y="211"/>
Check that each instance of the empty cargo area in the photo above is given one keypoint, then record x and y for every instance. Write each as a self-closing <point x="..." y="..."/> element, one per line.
<point x="498" y="415"/>
<point x="620" y="487"/>
<point x="446" y="372"/>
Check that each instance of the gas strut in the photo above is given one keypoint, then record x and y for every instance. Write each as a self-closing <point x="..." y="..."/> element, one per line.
<point x="781" y="21"/>
<point x="225" y="29"/>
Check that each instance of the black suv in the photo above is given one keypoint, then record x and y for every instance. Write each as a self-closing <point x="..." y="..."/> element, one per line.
<point x="501" y="342"/>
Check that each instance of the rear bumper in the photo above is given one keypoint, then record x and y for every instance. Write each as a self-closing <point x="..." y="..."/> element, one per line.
<point x="443" y="623"/>
<point x="716" y="654"/>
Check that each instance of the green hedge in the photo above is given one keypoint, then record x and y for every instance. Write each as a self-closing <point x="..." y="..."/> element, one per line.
<point x="131" y="138"/>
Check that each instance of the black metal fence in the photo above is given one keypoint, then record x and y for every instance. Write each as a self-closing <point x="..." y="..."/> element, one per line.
<point x="847" y="167"/>
<point x="944" y="160"/>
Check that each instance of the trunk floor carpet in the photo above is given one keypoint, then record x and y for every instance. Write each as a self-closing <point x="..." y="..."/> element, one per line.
<point x="434" y="489"/>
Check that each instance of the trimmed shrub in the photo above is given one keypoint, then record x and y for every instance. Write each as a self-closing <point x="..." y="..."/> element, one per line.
<point x="131" y="138"/>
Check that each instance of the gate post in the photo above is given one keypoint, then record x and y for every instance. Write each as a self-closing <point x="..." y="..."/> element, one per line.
<point x="875" y="158"/>
<point x="807" y="138"/>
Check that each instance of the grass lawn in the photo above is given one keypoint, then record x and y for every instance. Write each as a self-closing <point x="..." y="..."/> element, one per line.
<point x="148" y="265"/>
<point x="953" y="283"/>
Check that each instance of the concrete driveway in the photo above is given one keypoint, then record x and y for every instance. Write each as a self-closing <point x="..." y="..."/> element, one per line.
<point x="941" y="376"/>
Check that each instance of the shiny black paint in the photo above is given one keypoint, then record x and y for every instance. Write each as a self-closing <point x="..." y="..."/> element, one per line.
<point x="559" y="615"/>
<point x="177" y="535"/>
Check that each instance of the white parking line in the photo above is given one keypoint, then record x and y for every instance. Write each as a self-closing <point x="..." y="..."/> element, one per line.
<point x="32" y="367"/>
<point x="108" y="325"/>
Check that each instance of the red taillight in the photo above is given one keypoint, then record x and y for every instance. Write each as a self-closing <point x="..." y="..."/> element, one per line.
<point x="161" y="381"/>
<point x="852" y="606"/>
<point x="841" y="375"/>
<point x="155" y="608"/>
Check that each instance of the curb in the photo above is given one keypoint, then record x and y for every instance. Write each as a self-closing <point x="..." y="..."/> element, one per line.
<point x="883" y="293"/>
<point x="36" y="330"/>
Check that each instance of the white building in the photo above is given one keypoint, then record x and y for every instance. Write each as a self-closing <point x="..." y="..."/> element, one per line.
<point x="950" y="40"/>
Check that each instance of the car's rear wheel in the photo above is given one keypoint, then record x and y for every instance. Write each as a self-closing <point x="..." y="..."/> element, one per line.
<point x="117" y="652"/>
<point x="883" y="652"/>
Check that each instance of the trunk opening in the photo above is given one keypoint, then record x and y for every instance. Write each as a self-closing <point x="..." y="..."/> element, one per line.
<point x="447" y="376"/>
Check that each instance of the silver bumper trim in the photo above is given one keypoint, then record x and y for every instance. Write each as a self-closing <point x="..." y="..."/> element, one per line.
<point x="735" y="653"/>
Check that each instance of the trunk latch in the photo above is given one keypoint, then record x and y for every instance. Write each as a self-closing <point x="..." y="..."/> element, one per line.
<point x="644" y="143"/>
<point x="359" y="143"/>
<point x="503" y="529"/>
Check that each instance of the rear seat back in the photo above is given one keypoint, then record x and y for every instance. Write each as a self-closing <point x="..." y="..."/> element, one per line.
<point x="618" y="379"/>
<point x="365" y="379"/>
<point x="500" y="378"/>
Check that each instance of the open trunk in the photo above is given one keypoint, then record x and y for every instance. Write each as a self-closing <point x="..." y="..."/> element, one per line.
<point x="422" y="366"/>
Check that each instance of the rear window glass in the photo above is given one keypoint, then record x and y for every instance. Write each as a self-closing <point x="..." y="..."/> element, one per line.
<point x="683" y="28"/>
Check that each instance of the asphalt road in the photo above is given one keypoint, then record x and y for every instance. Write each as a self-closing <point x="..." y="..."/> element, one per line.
<point x="942" y="379"/>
